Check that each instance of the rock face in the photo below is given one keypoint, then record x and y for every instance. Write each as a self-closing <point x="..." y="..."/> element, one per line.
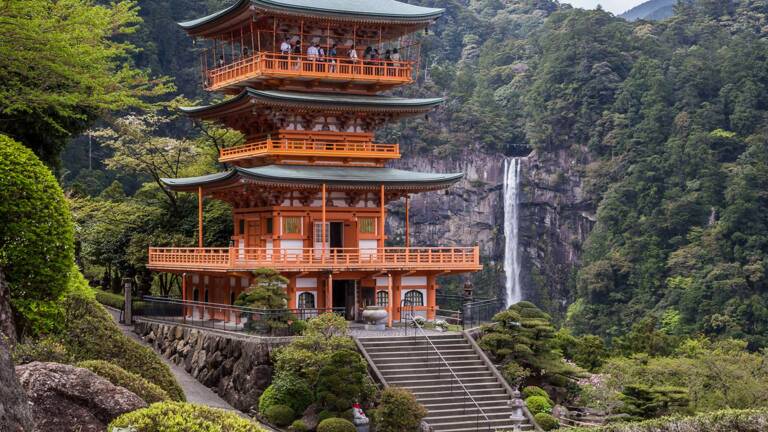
<point x="555" y="219"/>
<point x="67" y="398"/>
<point x="239" y="369"/>
<point x="14" y="408"/>
<point x="7" y="327"/>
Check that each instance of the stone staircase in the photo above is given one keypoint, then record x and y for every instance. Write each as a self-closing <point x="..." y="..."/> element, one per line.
<point x="412" y="362"/>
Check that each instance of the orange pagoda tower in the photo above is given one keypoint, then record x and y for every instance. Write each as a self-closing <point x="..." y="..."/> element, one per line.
<point x="309" y="187"/>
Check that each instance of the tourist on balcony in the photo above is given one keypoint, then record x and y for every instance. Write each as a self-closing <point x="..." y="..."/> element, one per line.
<point x="388" y="61"/>
<point x="222" y="62"/>
<point x="245" y="52"/>
<point x="285" y="47"/>
<point x="396" y="57"/>
<point x="367" y="55"/>
<point x="320" y="57"/>
<point x="312" y="53"/>
<point x="297" y="53"/>
<point x="332" y="54"/>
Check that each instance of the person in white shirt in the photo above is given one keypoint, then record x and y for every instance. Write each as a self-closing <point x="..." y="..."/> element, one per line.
<point x="312" y="53"/>
<point x="395" y="57"/>
<point x="285" y="47"/>
<point x="353" y="54"/>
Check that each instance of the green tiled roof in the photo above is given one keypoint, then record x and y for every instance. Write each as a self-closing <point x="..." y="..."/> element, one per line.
<point x="372" y="10"/>
<point x="337" y="100"/>
<point x="302" y="174"/>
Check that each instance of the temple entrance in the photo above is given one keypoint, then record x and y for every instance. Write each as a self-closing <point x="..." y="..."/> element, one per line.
<point x="336" y="235"/>
<point x="344" y="297"/>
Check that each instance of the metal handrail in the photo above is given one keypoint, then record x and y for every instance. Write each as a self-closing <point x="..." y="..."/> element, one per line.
<point x="480" y="410"/>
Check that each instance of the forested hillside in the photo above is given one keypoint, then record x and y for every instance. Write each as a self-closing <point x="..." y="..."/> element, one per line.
<point x="662" y="127"/>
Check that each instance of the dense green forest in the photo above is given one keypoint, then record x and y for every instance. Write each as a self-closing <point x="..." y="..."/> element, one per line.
<point x="667" y="119"/>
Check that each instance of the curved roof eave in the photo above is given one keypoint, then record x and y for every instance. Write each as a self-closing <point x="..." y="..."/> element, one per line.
<point x="318" y="99"/>
<point x="303" y="174"/>
<point x="371" y="10"/>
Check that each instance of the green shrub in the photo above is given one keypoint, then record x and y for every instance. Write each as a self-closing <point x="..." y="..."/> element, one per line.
<point x="325" y="414"/>
<point x="117" y="301"/>
<point x="183" y="417"/>
<point x="47" y="349"/>
<point x="90" y="333"/>
<point x="118" y="376"/>
<point x="398" y="411"/>
<point x="298" y="426"/>
<point x="343" y="380"/>
<point x="546" y="421"/>
<point x="36" y="237"/>
<point x="717" y="421"/>
<point x="538" y="404"/>
<point x="336" y="425"/>
<point x="286" y="390"/>
<point x="534" y="391"/>
<point x="280" y="415"/>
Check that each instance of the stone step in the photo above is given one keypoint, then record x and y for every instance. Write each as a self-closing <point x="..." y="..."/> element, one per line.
<point x="436" y="420"/>
<point x="445" y="392"/>
<point x="405" y="345"/>
<point x="425" y="348"/>
<point x="492" y="428"/>
<point x="468" y="408"/>
<point x="410" y="363"/>
<point x="444" y="382"/>
<point x="414" y="357"/>
<point x="405" y="339"/>
<point x="455" y="387"/>
<point x="481" y="425"/>
<point x="410" y="374"/>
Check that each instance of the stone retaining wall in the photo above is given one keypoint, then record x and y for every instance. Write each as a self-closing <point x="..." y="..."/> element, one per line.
<point x="238" y="368"/>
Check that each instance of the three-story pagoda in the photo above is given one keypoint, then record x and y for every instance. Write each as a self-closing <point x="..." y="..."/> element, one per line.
<point x="309" y="187"/>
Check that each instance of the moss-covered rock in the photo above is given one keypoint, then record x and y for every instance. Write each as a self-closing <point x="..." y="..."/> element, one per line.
<point x="183" y="417"/>
<point x="36" y="236"/>
<point x="118" y="376"/>
<point x="280" y="415"/>
<point x="91" y="334"/>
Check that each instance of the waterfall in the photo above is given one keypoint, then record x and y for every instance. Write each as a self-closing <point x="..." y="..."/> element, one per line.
<point x="512" y="167"/>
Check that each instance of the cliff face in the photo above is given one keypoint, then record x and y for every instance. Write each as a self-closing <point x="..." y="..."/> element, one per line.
<point x="554" y="219"/>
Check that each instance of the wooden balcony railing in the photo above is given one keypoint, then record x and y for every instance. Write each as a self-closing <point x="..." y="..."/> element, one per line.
<point x="390" y="258"/>
<point x="302" y="147"/>
<point x="301" y="66"/>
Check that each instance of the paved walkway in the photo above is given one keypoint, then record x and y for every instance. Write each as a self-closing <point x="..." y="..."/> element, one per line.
<point x="195" y="391"/>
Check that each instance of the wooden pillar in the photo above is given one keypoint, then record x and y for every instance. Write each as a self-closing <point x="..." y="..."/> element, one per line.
<point x="329" y="292"/>
<point x="407" y="224"/>
<point x="323" y="199"/>
<point x="381" y="217"/>
<point x="199" y="216"/>
<point x="291" y="288"/>
<point x="391" y="302"/>
<point x="396" y="297"/>
<point x="431" y="297"/>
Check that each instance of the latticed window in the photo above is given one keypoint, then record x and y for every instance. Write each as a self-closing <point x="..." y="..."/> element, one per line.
<point x="414" y="298"/>
<point x="382" y="298"/>
<point x="292" y="225"/>
<point x="306" y="300"/>
<point x="367" y="225"/>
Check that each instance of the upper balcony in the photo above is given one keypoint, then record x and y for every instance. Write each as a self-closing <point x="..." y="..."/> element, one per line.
<point x="443" y="259"/>
<point x="260" y="68"/>
<point x="320" y="147"/>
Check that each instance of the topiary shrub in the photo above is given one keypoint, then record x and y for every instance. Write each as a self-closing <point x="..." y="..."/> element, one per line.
<point x="280" y="415"/>
<point x="47" y="349"/>
<point x="546" y="421"/>
<point x="289" y="390"/>
<point x="336" y="425"/>
<point x="118" y="376"/>
<point x="90" y="333"/>
<point x="325" y="414"/>
<point x="179" y="416"/>
<point x="36" y="237"/>
<point x="298" y="426"/>
<point x="538" y="404"/>
<point x="342" y="381"/>
<point x="398" y="411"/>
<point x="534" y="391"/>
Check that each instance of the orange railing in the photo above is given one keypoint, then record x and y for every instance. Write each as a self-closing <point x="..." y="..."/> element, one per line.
<point x="390" y="258"/>
<point x="292" y="65"/>
<point x="305" y="147"/>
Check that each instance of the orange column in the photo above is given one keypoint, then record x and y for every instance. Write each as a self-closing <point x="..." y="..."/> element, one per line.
<point x="329" y="292"/>
<point x="200" y="216"/>
<point x="390" y="304"/>
<point x="381" y="217"/>
<point x="322" y="197"/>
<point x="407" y="225"/>
<point x="431" y="300"/>
<point x="291" y="288"/>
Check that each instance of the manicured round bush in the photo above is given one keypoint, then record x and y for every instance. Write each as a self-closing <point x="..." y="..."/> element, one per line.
<point x="325" y="414"/>
<point x="343" y="381"/>
<point x="538" y="404"/>
<point x="546" y="421"/>
<point x="280" y="415"/>
<point x="183" y="417"/>
<point x="299" y="426"/>
<point x="534" y="391"/>
<point x="36" y="236"/>
<point x="118" y="376"/>
<point x="288" y="390"/>
<point x="90" y="333"/>
<point x="336" y="425"/>
<point x="398" y="411"/>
